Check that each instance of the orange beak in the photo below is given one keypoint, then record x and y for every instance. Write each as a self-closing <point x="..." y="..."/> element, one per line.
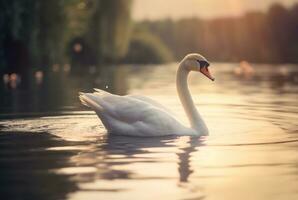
<point x="205" y="71"/>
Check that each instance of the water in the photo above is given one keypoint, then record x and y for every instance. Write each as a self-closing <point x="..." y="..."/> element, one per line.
<point x="51" y="149"/>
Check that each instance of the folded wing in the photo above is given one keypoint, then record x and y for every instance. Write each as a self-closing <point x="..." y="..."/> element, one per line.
<point x="131" y="115"/>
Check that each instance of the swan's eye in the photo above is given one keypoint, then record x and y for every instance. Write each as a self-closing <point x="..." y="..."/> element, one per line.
<point x="203" y="63"/>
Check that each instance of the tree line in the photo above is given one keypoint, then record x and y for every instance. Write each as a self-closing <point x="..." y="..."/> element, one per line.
<point x="40" y="34"/>
<point x="270" y="37"/>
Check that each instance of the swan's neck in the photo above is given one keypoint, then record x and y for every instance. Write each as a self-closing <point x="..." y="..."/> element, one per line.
<point x="194" y="117"/>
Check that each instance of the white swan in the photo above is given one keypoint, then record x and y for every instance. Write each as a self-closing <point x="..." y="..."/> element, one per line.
<point x="133" y="115"/>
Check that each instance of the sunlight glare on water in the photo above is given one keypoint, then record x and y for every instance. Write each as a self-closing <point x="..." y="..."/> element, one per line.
<point x="251" y="152"/>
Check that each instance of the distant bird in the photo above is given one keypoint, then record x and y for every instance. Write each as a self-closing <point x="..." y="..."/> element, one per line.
<point x="134" y="115"/>
<point x="244" y="69"/>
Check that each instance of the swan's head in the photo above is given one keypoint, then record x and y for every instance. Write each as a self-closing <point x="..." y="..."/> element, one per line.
<point x="197" y="62"/>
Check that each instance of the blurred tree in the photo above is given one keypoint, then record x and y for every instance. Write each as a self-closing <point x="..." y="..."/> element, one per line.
<point x="109" y="29"/>
<point x="80" y="53"/>
<point x="279" y="29"/>
<point x="293" y="34"/>
<point x="101" y="28"/>
<point x="31" y="33"/>
<point x="14" y="33"/>
<point x="255" y="36"/>
<point x="37" y="33"/>
<point x="48" y="36"/>
<point x="146" y="48"/>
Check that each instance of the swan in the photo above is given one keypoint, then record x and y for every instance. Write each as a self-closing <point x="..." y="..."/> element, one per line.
<point x="134" y="115"/>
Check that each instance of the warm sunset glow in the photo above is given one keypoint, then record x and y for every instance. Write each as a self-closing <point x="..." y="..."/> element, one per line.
<point x="149" y="99"/>
<point x="175" y="9"/>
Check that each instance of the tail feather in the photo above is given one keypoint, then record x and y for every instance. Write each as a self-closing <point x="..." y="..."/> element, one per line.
<point x="85" y="100"/>
<point x="101" y="92"/>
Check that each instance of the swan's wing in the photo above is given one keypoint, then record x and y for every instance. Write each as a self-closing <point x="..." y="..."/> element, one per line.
<point x="150" y="101"/>
<point x="131" y="115"/>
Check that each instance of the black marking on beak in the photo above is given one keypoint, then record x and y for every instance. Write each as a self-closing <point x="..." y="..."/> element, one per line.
<point x="203" y="63"/>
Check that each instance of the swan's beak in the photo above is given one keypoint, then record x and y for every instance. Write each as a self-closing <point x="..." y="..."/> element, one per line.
<point x="205" y="71"/>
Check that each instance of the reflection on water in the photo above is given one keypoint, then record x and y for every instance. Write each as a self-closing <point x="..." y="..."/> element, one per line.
<point x="51" y="150"/>
<point x="25" y="166"/>
<point x="56" y="90"/>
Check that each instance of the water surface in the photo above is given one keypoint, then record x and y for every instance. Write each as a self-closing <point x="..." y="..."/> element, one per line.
<point x="52" y="148"/>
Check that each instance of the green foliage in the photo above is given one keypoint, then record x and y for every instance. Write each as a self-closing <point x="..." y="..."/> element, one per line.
<point x="48" y="38"/>
<point x="109" y="29"/>
<point x="146" y="48"/>
<point x="102" y="26"/>
<point x="15" y="17"/>
<point x="38" y="32"/>
<point x="31" y="31"/>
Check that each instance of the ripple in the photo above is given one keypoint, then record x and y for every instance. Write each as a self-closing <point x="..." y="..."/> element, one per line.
<point x="75" y="170"/>
<point x="253" y="142"/>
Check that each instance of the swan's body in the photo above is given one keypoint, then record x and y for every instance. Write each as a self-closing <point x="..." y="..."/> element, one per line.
<point x="134" y="115"/>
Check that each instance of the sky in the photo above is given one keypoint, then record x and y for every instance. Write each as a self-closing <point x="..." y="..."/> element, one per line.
<point x="177" y="9"/>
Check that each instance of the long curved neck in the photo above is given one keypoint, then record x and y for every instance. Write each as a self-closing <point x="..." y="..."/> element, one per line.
<point x="194" y="117"/>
